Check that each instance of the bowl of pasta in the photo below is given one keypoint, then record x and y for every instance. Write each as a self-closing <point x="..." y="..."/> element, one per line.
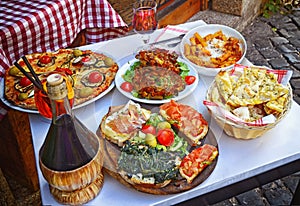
<point x="212" y="48"/>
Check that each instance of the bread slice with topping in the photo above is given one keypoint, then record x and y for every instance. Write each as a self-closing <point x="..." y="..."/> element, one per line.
<point x="122" y="122"/>
<point x="188" y="120"/>
<point x="146" y="166"/>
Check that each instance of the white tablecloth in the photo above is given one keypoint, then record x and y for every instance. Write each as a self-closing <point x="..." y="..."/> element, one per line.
<point x="238" y="159"/>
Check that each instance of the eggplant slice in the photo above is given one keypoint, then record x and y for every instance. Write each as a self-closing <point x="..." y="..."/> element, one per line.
<point x="85" y="79"/>
<point x="47" y="65"/>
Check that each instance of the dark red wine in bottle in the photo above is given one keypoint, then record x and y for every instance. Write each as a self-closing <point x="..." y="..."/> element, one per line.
<point x="63" y="150"/>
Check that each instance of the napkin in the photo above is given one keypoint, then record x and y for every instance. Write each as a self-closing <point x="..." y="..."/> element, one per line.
<point x="283" y="77"/>
<point x="171" y="31"/>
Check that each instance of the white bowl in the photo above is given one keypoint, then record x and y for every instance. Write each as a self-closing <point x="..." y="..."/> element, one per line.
<point x="211" y="29"/>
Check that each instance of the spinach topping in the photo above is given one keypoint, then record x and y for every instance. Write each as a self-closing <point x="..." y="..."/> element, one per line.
<point x="150" y="162"/>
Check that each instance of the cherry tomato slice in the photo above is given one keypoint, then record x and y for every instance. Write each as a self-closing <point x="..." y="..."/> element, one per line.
<point x="24" y="82"/>
<point x="95" y="77"/>
<point x="45" y="59"/>
<point x="190" y="79"/>
<point x="165" y="137"/>
<point x="126" y="86"/>
<point x="148" y="129"/>
<point x="64" y="70"/>
<point x="85" y="59"/>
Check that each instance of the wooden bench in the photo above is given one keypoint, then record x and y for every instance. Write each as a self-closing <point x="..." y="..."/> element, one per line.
<point x="16" y="149"/>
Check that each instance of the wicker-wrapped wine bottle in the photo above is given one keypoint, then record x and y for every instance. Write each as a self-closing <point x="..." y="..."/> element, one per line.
<point x="71" y="157"/>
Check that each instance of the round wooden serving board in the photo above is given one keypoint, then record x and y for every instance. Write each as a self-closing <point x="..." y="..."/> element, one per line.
<point x="111" y="155"/>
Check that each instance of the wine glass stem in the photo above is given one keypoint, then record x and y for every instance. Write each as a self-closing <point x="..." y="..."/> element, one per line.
<point x="146" y="38"/>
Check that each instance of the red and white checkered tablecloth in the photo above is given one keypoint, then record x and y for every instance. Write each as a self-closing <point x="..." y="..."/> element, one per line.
<point x="47" y="25"/>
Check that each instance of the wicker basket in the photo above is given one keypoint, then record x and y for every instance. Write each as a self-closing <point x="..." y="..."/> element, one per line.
<point x="241" y="131"/>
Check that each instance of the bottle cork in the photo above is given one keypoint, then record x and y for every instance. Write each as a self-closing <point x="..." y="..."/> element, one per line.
<point x="56" y="87"/>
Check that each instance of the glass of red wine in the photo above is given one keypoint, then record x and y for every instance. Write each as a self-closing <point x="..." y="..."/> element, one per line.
<point x="144" y="19"/>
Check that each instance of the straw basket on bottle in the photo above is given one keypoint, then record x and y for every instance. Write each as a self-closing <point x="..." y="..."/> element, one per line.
<point x="78" y="186"/>
<point x="242" y="131"/>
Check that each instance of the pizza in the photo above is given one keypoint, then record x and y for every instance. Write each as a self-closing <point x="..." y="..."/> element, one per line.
<point x="145" y="151"/>
<point x="90" y="74"/>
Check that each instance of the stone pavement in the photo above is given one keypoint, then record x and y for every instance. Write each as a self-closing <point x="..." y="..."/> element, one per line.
<point x="275" y="42"/>
<point x="272" y="42"/>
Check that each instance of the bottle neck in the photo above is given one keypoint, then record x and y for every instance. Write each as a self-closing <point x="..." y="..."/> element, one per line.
<point x="58" y="95"/>
<point x="60" y="107"/>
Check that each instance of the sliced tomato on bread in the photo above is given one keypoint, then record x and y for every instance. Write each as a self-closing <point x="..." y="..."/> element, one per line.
<point x="196" y="161"/>
<point x="188" y="120"/>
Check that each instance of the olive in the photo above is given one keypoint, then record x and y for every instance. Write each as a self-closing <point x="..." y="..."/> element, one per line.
<point x="77" y="52"/>
<point x="85" y="92"/>
<point x="164" y="125"/>
<point x="23" y="96"/>
<point x="108" y="61"/>
<point x="151" y="140"/>
<point x="14" y="71"/>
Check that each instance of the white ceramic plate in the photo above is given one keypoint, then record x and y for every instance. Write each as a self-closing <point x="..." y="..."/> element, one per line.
<point x="9" y="104"/>
<point x="188" y="89"/>
<point x="211" y="29"/>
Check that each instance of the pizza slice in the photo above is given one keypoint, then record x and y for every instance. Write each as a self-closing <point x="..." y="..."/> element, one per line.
<point x="93" y="74"/>
<point x="196" y="161"/>
<point x="276" y="106"/>
<point x="188" y="120"/>
<point x="48" y="61"/>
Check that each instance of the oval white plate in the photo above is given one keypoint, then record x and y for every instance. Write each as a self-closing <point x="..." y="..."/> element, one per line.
<point x="188" y="89"/>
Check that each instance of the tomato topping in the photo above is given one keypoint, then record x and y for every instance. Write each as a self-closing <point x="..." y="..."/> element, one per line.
<point x="148" y="129"/>
<point x="192" y="164"/>
<point x="127" y="86"/>
<point x="165" y="137"/>
<point x="85" y="59"/>
<point x="95" y="77"/>
<point x="190" y="79"/>
<point x="64" y="70"/>
<point x="45" y="59"/>
<point x="24" y="82"/>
